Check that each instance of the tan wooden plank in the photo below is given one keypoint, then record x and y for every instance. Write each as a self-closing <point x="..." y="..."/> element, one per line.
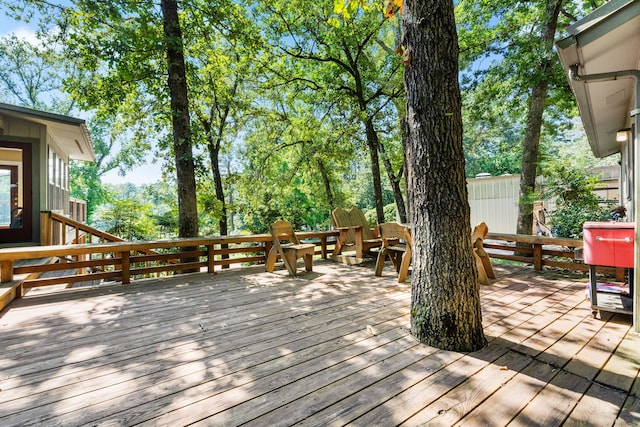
<point x="553" y="332"/>
<point x="563" y="350"/>
<point x="403" y="405"/>
<point x="280" y="324"/>
<point x="554" y="403"/>
<point x="454" y="405"/>
<point x="592" y="357"/>
<point x="91" y="306"/>
<point x="534" y="340"/>
<point x="599" y="405"/>
<point x="500" y="408"/>
<point x="622" y="368"/>
<point x="520" y="312"/>
<point x="313" y="408"/>
<point x="333" y="394"/>
<point x="357" y="404"/>
<point x="272" y="346"/>
<point x="273" y="391"/>
<point x="200" y="374"/>
<point x="630" y="414"/>
<point x="8" y="292"/>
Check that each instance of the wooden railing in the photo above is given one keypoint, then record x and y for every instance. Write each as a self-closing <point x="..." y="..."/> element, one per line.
<point x="56" y="229"/>
<point x="540" y="251"/>
<point x="126" y="261"/>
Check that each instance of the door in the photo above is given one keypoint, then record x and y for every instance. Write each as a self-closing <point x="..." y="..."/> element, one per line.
<point x="15" y="193"/>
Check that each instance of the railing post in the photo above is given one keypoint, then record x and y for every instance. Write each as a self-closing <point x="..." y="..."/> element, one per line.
<point x="267" y="248"/>
<point x="45" y="228"/>
<point x="211" y="253"/>
<point x="323" y="247"/>
<point x="126" y="267"/>
<point x="537" y="256"/>
<point x="6" y="271"/>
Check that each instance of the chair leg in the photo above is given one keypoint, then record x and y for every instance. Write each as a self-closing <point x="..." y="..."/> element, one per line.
<point x="404" y="267"/>
<point x="308" y="262"/>
<point x="396" y="260"/>
<point x="482" y="274"/>
<point x="340" y="242"/>
<point x="290" y="261"/>
<point x="359" y="246"/>
<point x="488" y="268"/>
<point x="382" y="255"/>
<point x="270" y="264"/>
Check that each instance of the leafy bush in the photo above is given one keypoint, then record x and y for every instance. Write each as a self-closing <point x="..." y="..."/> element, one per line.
<point x="572" y="191"/>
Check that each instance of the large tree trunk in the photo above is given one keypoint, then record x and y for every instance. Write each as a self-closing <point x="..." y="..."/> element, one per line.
<point x="177" y="83"/>
<point x="537" y="101"/>
<point x="445" y="303"/>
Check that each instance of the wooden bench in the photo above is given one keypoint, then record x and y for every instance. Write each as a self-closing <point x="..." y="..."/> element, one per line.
<point x="282" y="231"/>
<point x="396" y="245"/>
<point x="354" y="232"/>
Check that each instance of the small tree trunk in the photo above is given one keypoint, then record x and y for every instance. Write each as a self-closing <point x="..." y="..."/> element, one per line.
<point x="537" y="101"/>
<point x="445" y="303"/>
<point x="372" y="143"/>
<point x="395" y="184"/>
<point x="327" y="184"/>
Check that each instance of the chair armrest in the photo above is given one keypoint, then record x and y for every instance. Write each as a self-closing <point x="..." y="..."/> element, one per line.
<point x="347" y="228"/>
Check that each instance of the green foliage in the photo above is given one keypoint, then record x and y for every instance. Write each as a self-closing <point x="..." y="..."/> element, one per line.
<point x="390" y="214"/>
<point x="168" y="223"/>
<point x="571" y="190"/>
<point x="339" y="60"/>
<point x="127" y="219"/>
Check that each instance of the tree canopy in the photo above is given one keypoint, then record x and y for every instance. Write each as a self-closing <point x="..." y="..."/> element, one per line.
<point x="295" y="107"/>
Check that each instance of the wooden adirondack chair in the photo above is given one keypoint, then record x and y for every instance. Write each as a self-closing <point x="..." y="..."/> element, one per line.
<point x="282" y="232"/>
<point x="396" y="245"/>
<point x="483" y="262"/>
<point x="354" y="232"/>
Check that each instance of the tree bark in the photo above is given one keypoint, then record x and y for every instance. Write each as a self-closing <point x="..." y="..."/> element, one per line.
<point x="372" y="143"/>
<point x="327" y="184"/>
<point x="177" y="83"/>
<point x="531" y="143"/>
<point x="394" y="179"/>
<point x="445" y="304"/>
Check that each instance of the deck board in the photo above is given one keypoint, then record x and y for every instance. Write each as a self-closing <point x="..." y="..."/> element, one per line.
<point x="330" y="347"/>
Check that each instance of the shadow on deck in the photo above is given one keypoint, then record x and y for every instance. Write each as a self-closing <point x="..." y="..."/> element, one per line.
<point x="330" y="347"/>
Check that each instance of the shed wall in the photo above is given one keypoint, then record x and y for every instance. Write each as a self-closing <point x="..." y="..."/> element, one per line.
<point x="494" y="200"/>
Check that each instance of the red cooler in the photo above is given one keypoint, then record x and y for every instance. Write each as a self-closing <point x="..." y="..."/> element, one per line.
<point x="609" y="243"/>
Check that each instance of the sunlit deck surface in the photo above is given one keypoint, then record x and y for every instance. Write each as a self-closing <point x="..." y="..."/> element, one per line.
<point x="330" y="347"/>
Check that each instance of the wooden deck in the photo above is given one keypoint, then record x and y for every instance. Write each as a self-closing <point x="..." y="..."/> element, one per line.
<point x="330" y="347"/>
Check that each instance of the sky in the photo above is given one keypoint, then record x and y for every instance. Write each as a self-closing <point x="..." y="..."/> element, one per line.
<point x="147" y="173"/>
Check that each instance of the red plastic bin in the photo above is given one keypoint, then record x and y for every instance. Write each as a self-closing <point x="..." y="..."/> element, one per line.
<point x="609" y="243"/>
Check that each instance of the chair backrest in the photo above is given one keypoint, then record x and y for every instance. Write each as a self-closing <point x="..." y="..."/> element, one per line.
<point x="360" y="219"/>
<point x="480" y="231"/>
<point x="393" y="230"/>
<point x="282" y="231"/>
<point x="352" y="218"/>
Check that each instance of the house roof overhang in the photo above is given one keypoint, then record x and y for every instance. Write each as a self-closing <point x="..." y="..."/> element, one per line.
<point x="70" y="133"/>
<point x="606" y="42"/>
